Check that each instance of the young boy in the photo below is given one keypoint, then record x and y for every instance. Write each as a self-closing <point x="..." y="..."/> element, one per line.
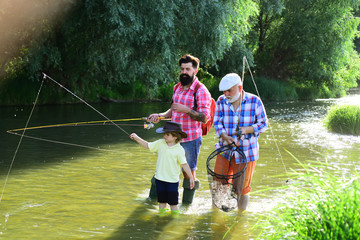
<point x="171" y="157"/>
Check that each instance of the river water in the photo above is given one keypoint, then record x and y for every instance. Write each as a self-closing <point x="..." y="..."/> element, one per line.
<point x="58" y="191"/>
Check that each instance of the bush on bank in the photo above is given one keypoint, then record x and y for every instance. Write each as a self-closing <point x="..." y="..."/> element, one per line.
<point x="343" y="119"/>
<point x="319" y="206"/>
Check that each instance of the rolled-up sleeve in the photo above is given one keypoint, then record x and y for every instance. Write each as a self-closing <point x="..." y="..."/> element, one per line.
<point x="203" y="101"/>
<point x="261" y="123"/>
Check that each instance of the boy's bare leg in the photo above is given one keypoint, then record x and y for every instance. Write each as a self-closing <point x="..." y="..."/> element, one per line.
<point x="162" y="205"/>
<point x="174" y="208"/>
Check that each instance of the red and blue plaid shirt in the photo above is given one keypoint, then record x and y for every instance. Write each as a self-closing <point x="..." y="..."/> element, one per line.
<point x="186" y="97"/>
<point x="226" y="120"/>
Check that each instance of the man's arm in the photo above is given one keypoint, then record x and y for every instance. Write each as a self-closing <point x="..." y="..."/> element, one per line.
<point x="197" y="116"/>
<point x="203" y="100"/>
<point x="247" y="130"/>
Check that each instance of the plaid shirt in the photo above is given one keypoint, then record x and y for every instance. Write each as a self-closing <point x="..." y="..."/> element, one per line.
<point x="226" y="120"/>
<point x="186" y="97"/>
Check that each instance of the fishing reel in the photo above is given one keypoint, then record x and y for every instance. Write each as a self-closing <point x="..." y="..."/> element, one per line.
<point x="148" y="126"/>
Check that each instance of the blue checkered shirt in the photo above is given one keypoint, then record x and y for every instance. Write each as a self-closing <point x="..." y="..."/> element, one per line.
<point x="226" y="120"/>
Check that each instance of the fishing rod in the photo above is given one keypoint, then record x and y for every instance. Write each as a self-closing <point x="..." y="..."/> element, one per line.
<point x="22" y="135"/>
<point x="147" y="125"/>
<point x="15" y="132"/>
<point x="87" y="104"/>
<point x="270" y="127"/>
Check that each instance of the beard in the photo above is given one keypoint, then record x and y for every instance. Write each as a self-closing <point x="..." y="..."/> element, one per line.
<point x="185" y="79"/>
<point x="233" y="98"/>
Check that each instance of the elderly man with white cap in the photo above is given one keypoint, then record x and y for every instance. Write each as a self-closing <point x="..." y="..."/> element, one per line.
<point x="237" y="110"/>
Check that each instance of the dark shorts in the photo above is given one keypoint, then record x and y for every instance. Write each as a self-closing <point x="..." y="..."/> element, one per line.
<point x="167" y="192"/>
<point x="192" y="150"/>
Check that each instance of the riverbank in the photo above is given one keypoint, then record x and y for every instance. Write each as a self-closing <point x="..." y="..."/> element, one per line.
<point x="22" y="92"/>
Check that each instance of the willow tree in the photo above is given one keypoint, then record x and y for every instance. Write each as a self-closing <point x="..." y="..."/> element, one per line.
<point x="312" y="44"/>
<point x="116" y="42"/>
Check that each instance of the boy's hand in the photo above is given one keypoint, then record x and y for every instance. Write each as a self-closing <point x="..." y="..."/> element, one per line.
<point x="191" y="183"/>
<point x="133" y="136"/>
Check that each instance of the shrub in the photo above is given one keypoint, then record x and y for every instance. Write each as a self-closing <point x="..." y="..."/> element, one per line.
<point x="319" y="206"/>
<point x="344" y="119"/>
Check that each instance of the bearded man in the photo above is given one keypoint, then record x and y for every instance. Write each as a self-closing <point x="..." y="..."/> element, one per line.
<point x="190" y="106"/>
<point x="238" y="112"/>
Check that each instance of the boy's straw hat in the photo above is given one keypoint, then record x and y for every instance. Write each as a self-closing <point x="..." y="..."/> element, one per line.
<point x="172" y="127"/>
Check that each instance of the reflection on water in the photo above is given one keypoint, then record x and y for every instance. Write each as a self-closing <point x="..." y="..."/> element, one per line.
<point x="58" y="191"/>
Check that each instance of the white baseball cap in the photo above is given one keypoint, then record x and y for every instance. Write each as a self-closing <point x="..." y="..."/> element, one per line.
<point x="228" y="81"/>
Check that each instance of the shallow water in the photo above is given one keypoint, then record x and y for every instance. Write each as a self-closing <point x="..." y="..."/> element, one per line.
<point x="57" y="191"/>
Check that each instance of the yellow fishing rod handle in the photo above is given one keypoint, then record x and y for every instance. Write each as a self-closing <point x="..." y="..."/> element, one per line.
<point x="161" y="118"/>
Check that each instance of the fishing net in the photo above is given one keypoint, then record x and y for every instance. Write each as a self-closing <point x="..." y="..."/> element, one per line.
<point x="226" y="177"/>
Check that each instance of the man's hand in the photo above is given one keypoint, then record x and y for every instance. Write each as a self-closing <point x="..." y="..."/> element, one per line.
<point x="155" y="118"/>
<point x="246" y="130"/>
<point x="177" y="107"/>
<point x="228" y="139"/>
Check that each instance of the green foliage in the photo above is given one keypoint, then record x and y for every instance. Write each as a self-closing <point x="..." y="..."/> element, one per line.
<point x="130" y="49"/>
<point x="309" y="92"/>
<point x="312" y="43"/>
<point x="270" y="89"/>
<point x="239" y="27"/>
<point x="108" y="43"/>
<point x="344" y="119"/>
<point x="319" y="205"/>
<point x="264" y="23"/>
<point x="233" y="59"/>
<point x="211" y="82"/>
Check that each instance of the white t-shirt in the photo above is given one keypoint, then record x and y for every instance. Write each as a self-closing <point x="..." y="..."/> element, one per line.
<point x="170" y="159"/>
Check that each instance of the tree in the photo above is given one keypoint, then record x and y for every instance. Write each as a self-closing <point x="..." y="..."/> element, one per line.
<point x="21" y="24"/>
<point x="313" y="44"/>
<point x="118" y="42"/>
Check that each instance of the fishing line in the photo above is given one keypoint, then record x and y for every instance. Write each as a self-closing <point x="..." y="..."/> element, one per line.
<point x="21" y="138"/>
<point x="270" y="127"/>
<point x="81" y="124"/>
<point x="64" y="143"/>
<point x="89" y="123"/>
<point x="22" y="135"/>
<point x="87" y="104"/>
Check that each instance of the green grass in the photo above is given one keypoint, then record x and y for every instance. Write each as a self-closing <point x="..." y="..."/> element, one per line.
<point x="318" y="205"/>
<point x="271" y="89"/>
<point x="343" y="119"/>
